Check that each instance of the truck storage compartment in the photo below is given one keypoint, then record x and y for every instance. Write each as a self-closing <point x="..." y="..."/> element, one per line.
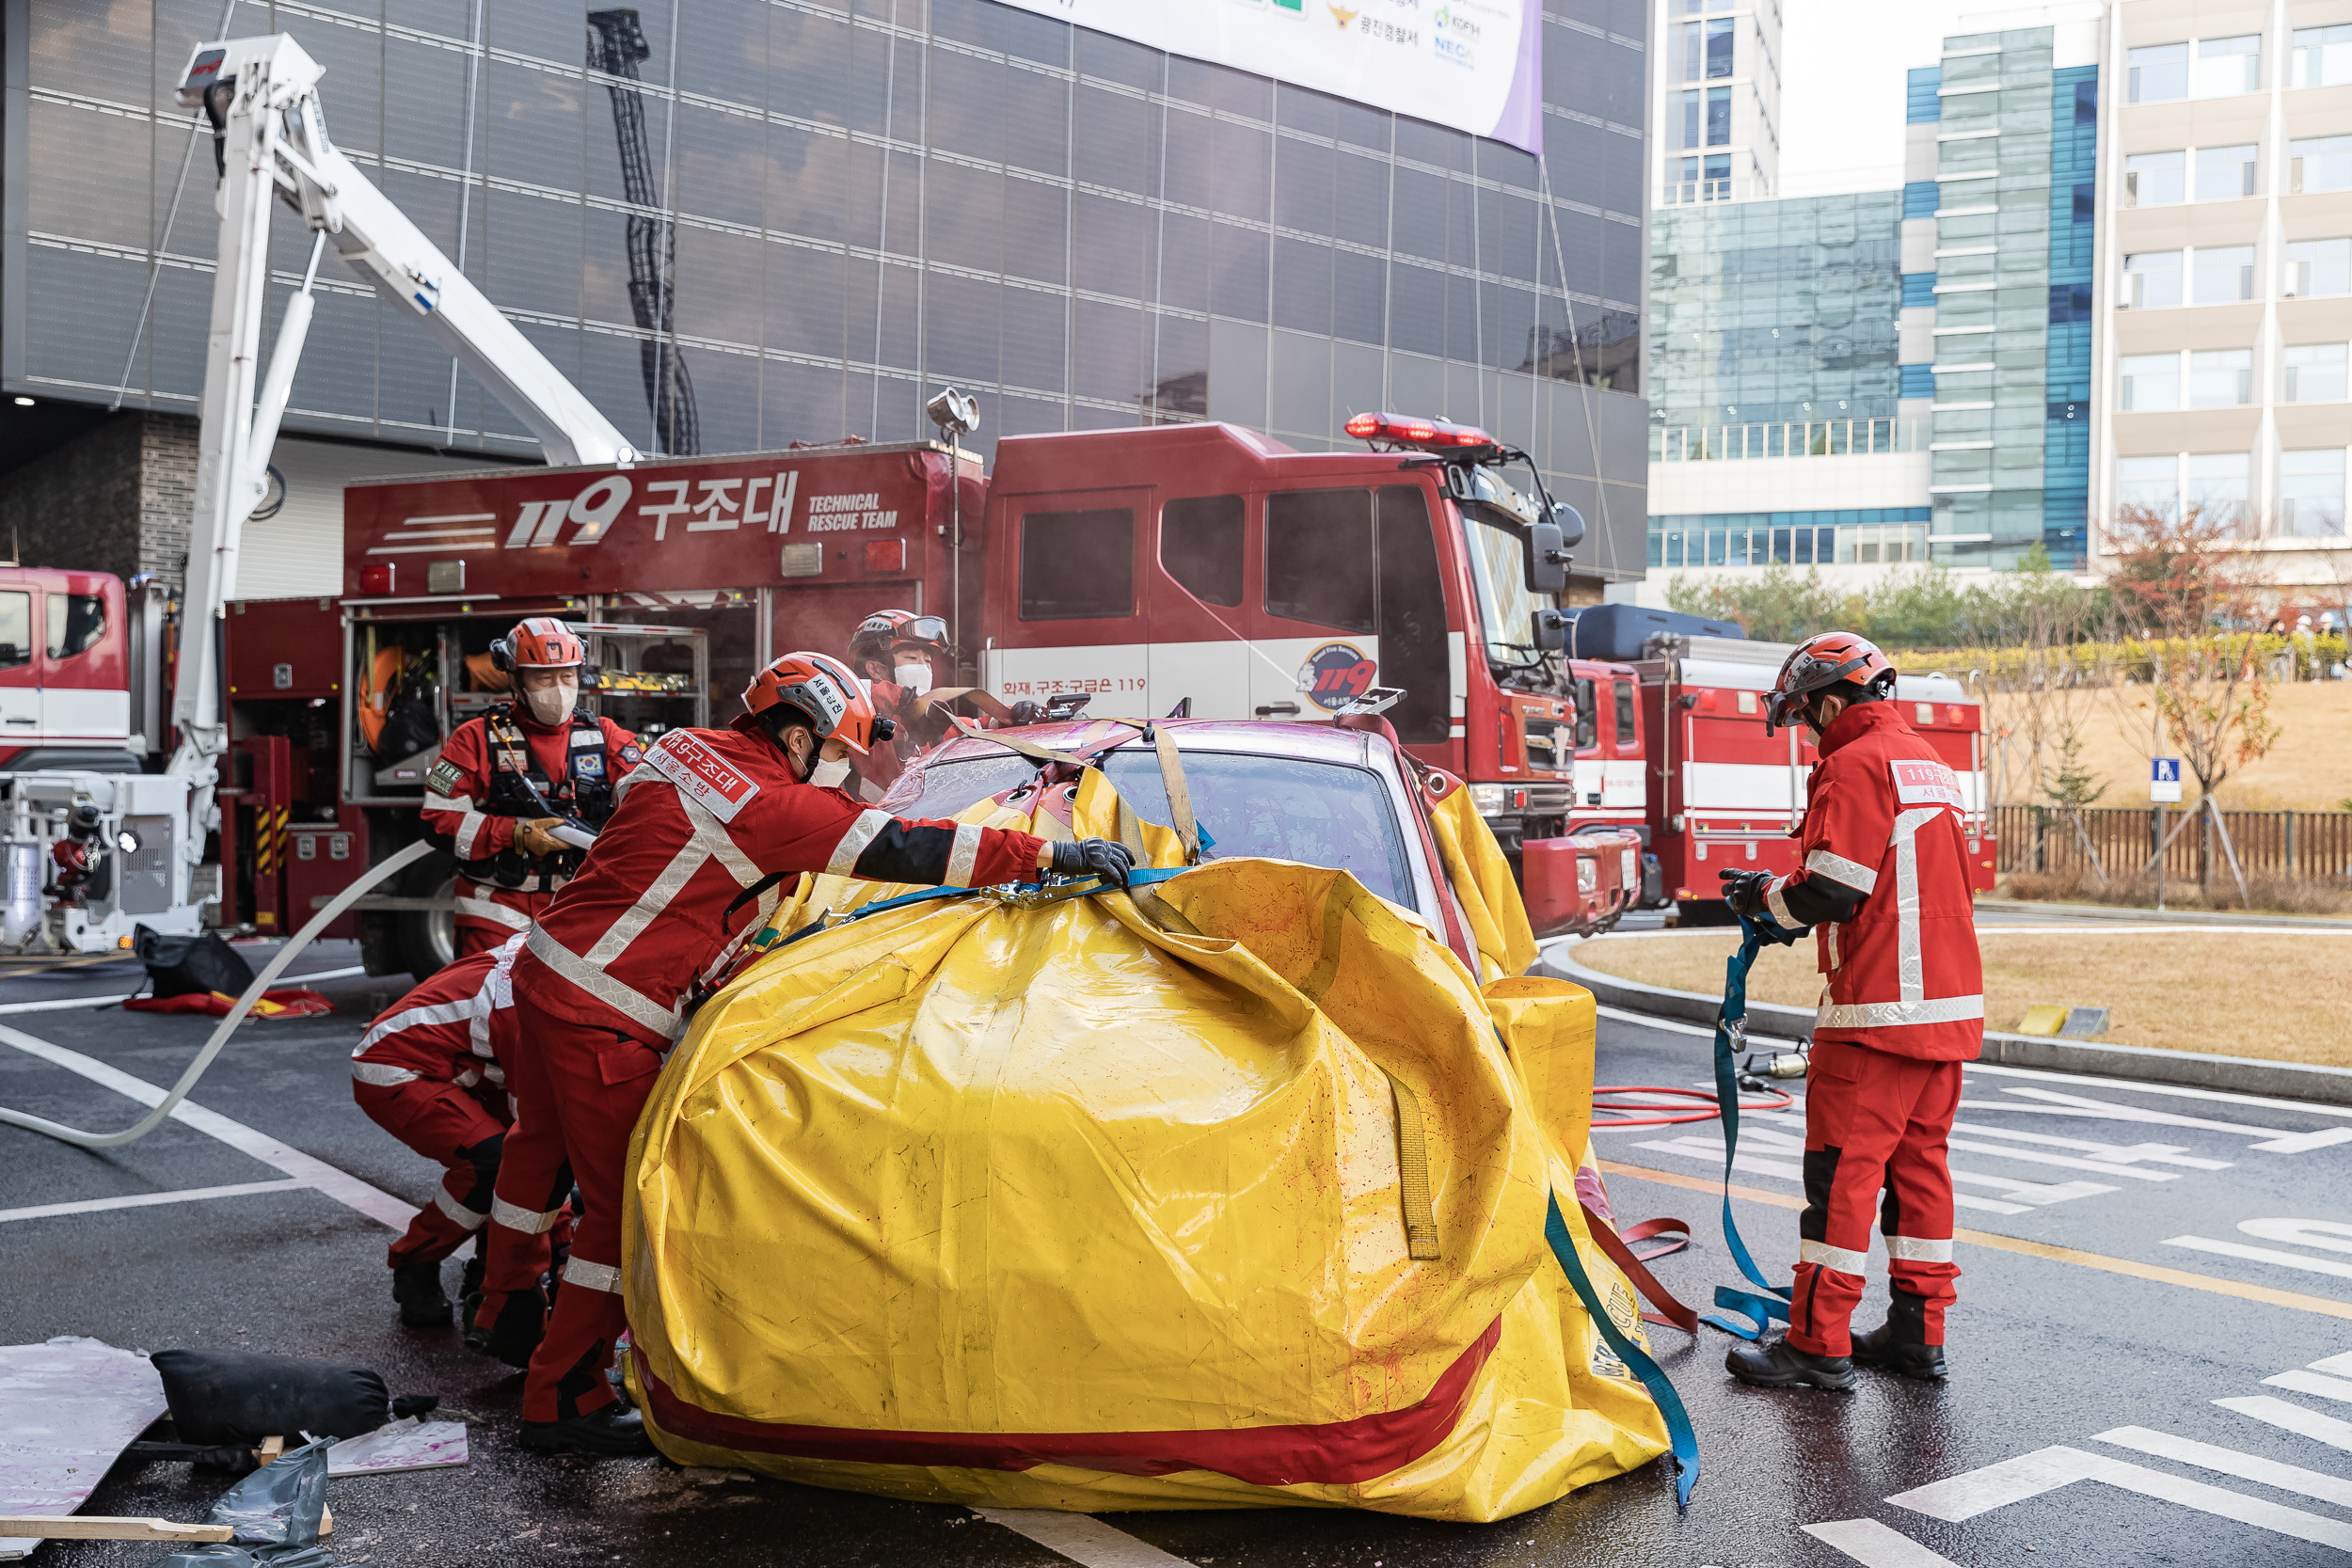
<point x="1565" y="881"/>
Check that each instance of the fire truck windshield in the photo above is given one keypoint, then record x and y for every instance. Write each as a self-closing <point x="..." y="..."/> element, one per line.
<point x="1506" y="611"/>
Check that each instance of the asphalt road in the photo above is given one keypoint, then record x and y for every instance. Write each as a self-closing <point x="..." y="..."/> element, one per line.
<point x="2130" y="1353"/>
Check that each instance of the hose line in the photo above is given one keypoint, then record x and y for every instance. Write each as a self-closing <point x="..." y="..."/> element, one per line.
<point x="254" y="993"/>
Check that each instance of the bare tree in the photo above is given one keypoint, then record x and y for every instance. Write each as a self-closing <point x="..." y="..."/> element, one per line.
<point x="2194" y="594"/>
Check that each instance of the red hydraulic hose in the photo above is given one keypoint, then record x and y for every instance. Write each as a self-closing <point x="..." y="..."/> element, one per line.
<point x="1681" y="1105"/>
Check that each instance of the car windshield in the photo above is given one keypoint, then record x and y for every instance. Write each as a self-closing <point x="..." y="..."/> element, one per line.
<point x="1498" y="555"/>
<point x="1318" y="813"/>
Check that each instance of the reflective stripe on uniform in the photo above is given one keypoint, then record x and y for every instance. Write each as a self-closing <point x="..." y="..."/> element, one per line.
<point x="382" y="1074"/>
<point x="468" y="835"/>
<point x="591" y="1277"/>
<point x="1838" y="868"/>
<point x="496" y="912"/>
<point x="966" y="853"/>
<point x="529" y="1222"/>
<point x="597" y="982"/>
<point x="463" y="1217"/>
<point x="1909" y="966"/>
<point x="1822" y="1255"/>
<point x="854" y="842"/>
<point x="410" y="1017"/>
<point x="1888" y="1015"/>
<point x="705" y="835"/>
<point x="1777" y="902"/>
<point x="447" y="802"/>
<point x="1919" y="1249"/>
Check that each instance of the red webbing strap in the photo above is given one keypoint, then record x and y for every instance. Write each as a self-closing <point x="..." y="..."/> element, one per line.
<point x="1670" y="1313"/>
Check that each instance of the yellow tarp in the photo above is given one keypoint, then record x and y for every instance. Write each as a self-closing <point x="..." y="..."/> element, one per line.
<point x="1063" y="1205"/>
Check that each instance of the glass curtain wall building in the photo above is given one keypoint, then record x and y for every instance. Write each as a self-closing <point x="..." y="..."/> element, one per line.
<point x="790" y="220"/>
<point x="2014" y="170"/>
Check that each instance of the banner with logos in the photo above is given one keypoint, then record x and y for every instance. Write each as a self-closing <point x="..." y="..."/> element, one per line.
<point x="1475" y="65"/>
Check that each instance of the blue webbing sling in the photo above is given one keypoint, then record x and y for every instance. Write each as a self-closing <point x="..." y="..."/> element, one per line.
<point x="1768" y="1300"/>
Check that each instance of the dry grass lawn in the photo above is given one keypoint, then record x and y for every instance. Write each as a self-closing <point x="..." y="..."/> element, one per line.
<point x="2282" y="995"/>
<point x="2309" y="769"/>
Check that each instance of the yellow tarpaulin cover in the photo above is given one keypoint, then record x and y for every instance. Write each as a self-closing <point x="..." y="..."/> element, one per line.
<point x="1227" y="1192"/>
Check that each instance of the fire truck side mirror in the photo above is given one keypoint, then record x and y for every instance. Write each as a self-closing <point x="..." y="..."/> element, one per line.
<point x="1546" y="558"/>
<point x="1552" y="631"/>
<point x="1571" y="523"/>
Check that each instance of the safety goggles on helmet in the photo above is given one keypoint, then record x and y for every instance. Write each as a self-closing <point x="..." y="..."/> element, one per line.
<point x="822" y="690"/>
<point x="886" y="628"/>
<point x="1816" y="664"/>
<point x="538" y="642"/>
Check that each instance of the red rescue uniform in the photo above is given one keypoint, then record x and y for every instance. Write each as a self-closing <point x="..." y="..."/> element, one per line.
<point x="708" y="829"/>
<point x="474" y="798"/>
<point x="1902" y="1007"/>
<point x="428" y="1072"/>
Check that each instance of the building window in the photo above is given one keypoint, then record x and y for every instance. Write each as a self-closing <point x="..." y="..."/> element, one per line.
<point x="2311" y="493"/>
<point x="1692" y="100"/>
<point x="2216" y="490"/>
<point x="2228" y="66"/>
<point x="1719" y="48"/>
<point x="1691" y="40"/>
<point x="2159" y="72"/>
<point x="2221" y="377"/>
<point x="2320" y="163"/>
<point x="2314" y="373"/>
<point x="1918" y="289"/>
<point x="2151" y="280"/>
<point x="2148" y="486"/>
<point x="2151" y="381"/>
<point x="2222" y="274"/>
<point x="2318" y="267"/>
<point x="2322" y="55"/>
<point x="2155" y="179"/>
<point x="1719" y="116"/>
<point x="2224" y="173"/>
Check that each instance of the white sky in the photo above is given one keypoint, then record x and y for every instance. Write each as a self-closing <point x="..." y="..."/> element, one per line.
<point x="1843" y="64"/>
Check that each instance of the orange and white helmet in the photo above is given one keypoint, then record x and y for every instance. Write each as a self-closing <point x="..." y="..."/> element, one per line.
<point x="885" y="629"/>
<point x="822" y="690"/>
<point x="1817" y="663"/>
<point x="539" y="642"/>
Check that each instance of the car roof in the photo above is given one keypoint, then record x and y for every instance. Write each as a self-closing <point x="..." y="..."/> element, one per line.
<point x="1262" y="737"/>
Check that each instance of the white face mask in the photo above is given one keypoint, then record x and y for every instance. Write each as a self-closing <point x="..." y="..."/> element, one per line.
<point x="913" y="677"/>
<point x="829" y="775"/>
<point x="553" y="705"/>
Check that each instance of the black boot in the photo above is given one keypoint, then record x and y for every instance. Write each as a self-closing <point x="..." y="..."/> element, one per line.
<point x="607" y="1432"/>
<point x="1885" y="1348"/>
<point x="469" y="1283"/>
<point x="1782" y="1365"/>
<point x="416" y="1287"/>
<point x="521" y="1324"/>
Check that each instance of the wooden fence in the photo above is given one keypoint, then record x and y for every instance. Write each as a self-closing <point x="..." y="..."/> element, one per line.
<point x="2312" y="845"/>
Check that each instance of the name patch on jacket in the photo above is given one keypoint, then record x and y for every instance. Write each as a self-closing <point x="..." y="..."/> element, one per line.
<point x="702" y="774"/>
<point x="446" y="778"/>
<point x="1926" y="784"/>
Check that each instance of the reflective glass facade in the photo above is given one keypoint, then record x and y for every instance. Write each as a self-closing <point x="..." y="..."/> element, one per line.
<point x="1775" y="312"/>
<point x="848" y="205"/>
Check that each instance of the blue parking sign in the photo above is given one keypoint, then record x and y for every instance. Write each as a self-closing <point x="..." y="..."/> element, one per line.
<point x="2164" y="779"/>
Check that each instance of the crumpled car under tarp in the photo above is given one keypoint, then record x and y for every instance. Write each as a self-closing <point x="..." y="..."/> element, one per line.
<point x="1229" y="1191"/>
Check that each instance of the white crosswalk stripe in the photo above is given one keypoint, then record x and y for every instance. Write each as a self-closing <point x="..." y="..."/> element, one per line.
<point x="2230" y="1462"/>
<point x="2292" y="1418"/>
<point x="1877" y="1545"/>
<point x="2046" y="1469"/>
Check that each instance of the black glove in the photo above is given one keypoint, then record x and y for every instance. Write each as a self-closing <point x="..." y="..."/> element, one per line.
<point x="1099" y="856"/>
<point x="1024" y="712"/>
<point x="1744" y="891"/>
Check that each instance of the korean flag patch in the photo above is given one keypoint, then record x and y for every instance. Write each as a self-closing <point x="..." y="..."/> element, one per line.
<point x="591" y="765"/>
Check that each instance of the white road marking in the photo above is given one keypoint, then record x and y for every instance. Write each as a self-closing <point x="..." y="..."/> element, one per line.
<point x="2173" y="1091"/>
<point x="2326" y="1235"/>
<point x="2335" y="1364"/>
<point x="2121" y="1154"/>
<point x="2301" y="1383"/>
<point x="2292" y="1418"/>
<point x="67" y="1004"/>
<point x="2262" y="1255"/>
<point x="1080" y="1538"/>
<point x="2032" y="1157"/>
<point x="1775" y="1141"/>
<point x="2046" y="1469"/>
<point x="142" y="1200"/>
<point x="341" y="1185"/>
<point x="2245" y="1467"/>
<point x="1712" y="1154"/>
<point x="1877" y="1545"/>
<point x="1673" y="1026"/>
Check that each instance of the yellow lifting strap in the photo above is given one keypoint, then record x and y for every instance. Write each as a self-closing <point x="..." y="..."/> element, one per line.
<point x="1179" y="795"/>
<point x="1412" y="1172"/>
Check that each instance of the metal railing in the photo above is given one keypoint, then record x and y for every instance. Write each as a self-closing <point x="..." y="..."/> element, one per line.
<point x="2312" y="846"/>
<point x="1812" y="439"/>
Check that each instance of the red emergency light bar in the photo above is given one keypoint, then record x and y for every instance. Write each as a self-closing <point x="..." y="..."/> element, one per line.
<point x="1426" y="434"/>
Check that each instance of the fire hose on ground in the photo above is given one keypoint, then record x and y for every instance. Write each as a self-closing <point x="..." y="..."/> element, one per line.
<point x="276" y="966"/>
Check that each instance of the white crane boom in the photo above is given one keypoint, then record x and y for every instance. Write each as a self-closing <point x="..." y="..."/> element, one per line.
<point x="261" y="96"/>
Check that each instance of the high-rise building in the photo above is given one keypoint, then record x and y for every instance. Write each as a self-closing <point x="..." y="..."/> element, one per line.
<point x="2226" y="275"/>
<point x="2011" y="172"/>
<point x="1717" y="87"/>
<point x="781" y="222"/>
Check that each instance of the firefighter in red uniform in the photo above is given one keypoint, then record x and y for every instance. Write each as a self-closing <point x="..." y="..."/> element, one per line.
<point x="899" y="655"/>
<point x="707" y="828"/>
<point x="1884" y="881"/>
<point x="507" y="778"/>
<point x="427" y="1072"/>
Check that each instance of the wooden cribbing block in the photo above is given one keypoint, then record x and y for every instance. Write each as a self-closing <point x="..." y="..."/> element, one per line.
<point x="99" y="1527"/>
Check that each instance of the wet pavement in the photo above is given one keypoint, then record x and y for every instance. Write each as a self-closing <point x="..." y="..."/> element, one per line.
<point x="2150" y="1275"/>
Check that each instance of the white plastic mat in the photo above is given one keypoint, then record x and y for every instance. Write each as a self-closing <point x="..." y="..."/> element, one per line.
<point x="68" y="1408"/>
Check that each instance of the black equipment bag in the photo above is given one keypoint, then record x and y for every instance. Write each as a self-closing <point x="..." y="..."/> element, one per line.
<point x="199" y="962"/>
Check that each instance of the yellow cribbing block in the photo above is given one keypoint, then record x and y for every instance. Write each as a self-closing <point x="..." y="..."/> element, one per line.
<point x="2043" y="1019"/>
